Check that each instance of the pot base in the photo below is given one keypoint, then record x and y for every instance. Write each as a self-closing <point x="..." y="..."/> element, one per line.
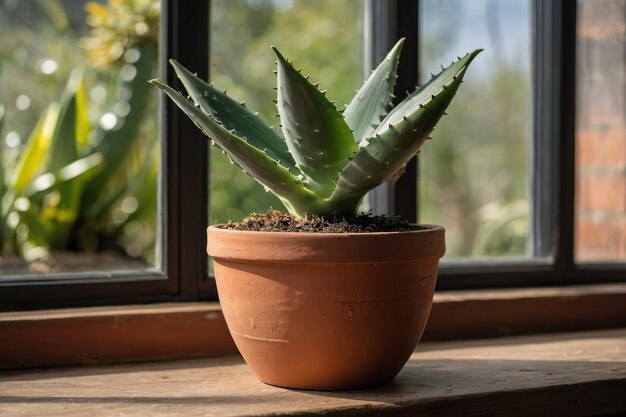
<point x="329" y="388"/>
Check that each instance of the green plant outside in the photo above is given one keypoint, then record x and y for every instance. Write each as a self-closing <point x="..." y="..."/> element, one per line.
<point x="85" y="179"/>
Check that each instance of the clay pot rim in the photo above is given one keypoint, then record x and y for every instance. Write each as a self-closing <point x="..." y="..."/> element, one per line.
<point x="329" y="248"/>
<point x="429" y="228"/>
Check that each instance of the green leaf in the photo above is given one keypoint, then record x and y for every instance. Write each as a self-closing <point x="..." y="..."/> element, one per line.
<point x="36" y="149"/>
<point x="73" y="171"/>
<point x="83" y="125"/>
<point x="116" y="142"/>
<point x="398" y="138"/>
<point x="2" y="169"/>
<point x="62" y="153"/>
<point x="371" y="102"/>
<point x="143" y="188"/>
<point x="31" y="158"/>
<point x="252" y="160"/>
<point x="50" y="220"/>
<point x="234" y="115"/>
<point x="316" y="133"/>
<point x="432" y="87"/>
<point x="62" y="149"/>
<point x="3" y="185"/>
<point x="146" y="160"/>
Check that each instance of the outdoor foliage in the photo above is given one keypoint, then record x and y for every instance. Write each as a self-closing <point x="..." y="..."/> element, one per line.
<point x="474" y="179"/>
<point x="85" y="179"/>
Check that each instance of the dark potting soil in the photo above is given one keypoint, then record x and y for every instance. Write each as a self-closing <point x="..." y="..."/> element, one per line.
<point x="277" y="221"/>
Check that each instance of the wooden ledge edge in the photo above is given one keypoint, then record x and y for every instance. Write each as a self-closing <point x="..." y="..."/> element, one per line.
<point x="507" y="312"/>
<point x="100" y="335"/>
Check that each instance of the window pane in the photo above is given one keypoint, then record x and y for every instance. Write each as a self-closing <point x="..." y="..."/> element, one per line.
<point x="601" y="131"/>
<point x="473" y="175"/>
<point x="79" y="150"/>
<point x="324" y="37"/>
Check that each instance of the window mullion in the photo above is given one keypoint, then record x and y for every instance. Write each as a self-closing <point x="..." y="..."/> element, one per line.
<point x="552" y="170"/>
<point x="379" y="36"/>
<point x="407" y="26"/>
<point x="389" y="21"/>
<point x="186" y="156"/>
<point x="553" y="173"/>
<point x="567" y="150"/>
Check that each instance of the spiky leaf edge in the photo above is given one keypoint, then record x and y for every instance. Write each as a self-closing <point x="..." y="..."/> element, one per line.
<point x="234" y="115"/>
<point x="369" y="105"/>
<point x="277" y="178"/>
<point x="430" y="88"/>
<point x="316" y="133"/>
<point x="407" y="124"/>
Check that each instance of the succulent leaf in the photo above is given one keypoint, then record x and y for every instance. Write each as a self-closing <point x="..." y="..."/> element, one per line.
<point x="433" y="86"/>
<point x="337" y="172"/>
<point x="254" y="161"/>
<point x="396" y="140"/>
<point x="364" y="112"/>
<point x="235" y="116"/>
<point x="316" y="133"/>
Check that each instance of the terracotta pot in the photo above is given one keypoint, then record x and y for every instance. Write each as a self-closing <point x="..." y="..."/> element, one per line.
<point x="326" y="311"/>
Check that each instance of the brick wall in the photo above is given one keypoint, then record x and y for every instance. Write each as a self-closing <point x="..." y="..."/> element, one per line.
<point x="601" y="131"/>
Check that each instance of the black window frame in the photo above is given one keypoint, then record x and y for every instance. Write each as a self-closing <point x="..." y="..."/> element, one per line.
<point x="184" y="210"/>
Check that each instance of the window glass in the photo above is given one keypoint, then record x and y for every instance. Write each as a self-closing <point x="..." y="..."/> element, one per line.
<point x="324" y="37"/>
<point x="473" y="175"/>
<point x="79" y="151"/>
<point x="601" y="132"/>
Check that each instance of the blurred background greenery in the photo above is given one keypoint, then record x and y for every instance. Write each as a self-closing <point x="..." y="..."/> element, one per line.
<point x="79" y="155"/>
<point x="474" y="176"/>
<point x="80" y="67"/>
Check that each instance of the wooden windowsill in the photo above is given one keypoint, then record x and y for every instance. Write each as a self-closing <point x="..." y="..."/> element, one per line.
<point x="575" y="374"/>
<point x="102" y="335"/>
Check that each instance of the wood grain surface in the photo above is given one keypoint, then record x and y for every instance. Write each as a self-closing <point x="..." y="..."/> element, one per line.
<point x="575" y="374"/>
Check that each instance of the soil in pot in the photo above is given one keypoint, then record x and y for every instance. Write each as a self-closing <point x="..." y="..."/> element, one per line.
<point x="277" y="221"/>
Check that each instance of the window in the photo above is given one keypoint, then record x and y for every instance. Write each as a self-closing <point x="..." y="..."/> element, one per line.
<point x="175" y="273"/>
<point x="527" y="228"/>
<point x="474" y="177"/>
<point x="81" y="150"/>
<point x="548" y="200"/>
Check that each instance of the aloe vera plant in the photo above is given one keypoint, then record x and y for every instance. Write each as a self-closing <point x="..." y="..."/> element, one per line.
<point x="326" y="160"/>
